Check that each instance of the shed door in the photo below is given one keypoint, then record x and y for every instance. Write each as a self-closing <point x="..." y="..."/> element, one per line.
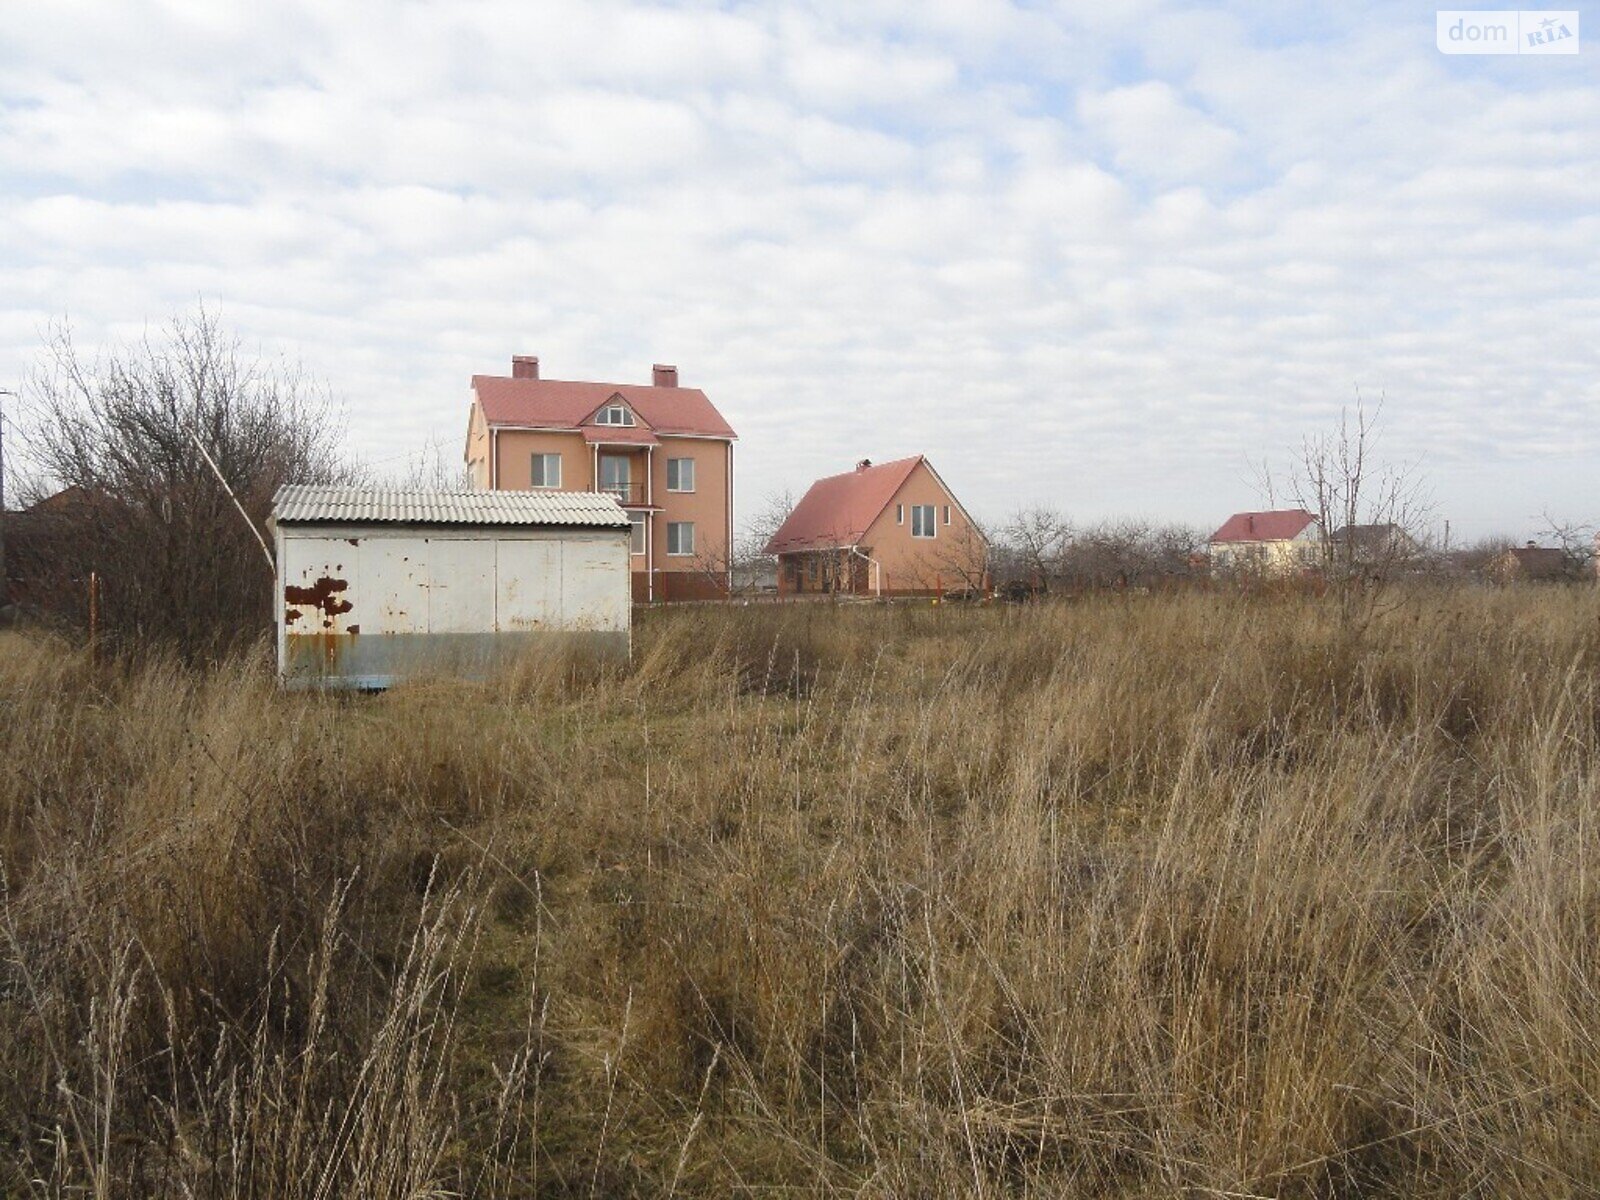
<point x="461" y="585"/>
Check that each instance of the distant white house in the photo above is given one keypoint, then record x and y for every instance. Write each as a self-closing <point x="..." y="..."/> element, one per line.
<point x="1280" y="542"/>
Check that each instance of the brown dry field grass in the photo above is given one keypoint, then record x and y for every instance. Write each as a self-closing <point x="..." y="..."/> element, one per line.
<point x="1185" y="895"/>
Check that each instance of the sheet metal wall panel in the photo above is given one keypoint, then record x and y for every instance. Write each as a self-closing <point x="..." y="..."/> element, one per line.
<point x="528" y="582"/>
<point x="590" y="595"/>
<point x="395" y="584"/>
<point x="319" y="583"/>
<point x="461" y="585"/>
<point x="364" y="607"/>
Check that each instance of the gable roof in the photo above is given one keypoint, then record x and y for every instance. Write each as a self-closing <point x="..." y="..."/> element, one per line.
<point x="1278" y="526"/>
<point x="1381" y="536"/>
<point x="567" y="404"/>
<point x="838" y="510"/>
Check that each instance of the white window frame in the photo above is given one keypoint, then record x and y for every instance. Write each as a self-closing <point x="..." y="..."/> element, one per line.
<point x="932" y="523"/>
<point x="947" y="514"/>
<point x="639" y="538"/>
<point x="675" y="533"/>
<point x="537" y="467"/>
<point x="614" y="414"/>
<point x="622" y="488"/>
<point x="680" y="464"/>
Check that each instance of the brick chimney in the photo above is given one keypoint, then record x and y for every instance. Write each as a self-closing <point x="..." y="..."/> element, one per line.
<point x="664" y="376"/>
<point x="524" y="366"/>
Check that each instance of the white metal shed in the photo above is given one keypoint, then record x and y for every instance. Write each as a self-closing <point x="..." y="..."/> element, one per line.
<point x="375" y="586"/>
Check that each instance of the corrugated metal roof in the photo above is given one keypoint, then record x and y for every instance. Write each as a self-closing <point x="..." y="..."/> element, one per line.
<point x="300" y="503"/>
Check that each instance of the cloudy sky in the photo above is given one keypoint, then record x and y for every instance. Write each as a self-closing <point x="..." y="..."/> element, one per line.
<point x="1099" y="256"/>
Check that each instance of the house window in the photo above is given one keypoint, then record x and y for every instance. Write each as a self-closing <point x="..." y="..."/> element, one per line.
<point x="680" y="474"/>
<point x="547" y="470"/>
<point x="613" y="414"/>
<point x="637" y="520"/>
<point x="947" y="514"/>
<point x="680" y="537"/>
<point x="616" y="476"/>
<point x="899" y="514"/>
<point x="922" y="525"/>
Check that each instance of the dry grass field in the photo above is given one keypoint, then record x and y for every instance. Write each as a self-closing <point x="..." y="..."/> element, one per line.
<point x="1187" y="895"/>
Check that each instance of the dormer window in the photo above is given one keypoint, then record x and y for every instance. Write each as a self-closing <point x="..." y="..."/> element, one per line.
<point x="614" y="414"/>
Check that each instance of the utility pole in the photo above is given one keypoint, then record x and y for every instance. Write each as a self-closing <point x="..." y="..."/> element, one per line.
<point x="5" y="580"/>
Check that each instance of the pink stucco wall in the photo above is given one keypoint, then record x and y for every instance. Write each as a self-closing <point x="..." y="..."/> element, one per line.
<point x="707" y="506"/>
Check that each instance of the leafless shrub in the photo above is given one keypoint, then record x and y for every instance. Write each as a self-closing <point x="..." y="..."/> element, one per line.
<point x="1128" y="553"/>
<point x="140" y="509"/>
<point x="1041" y="548"/>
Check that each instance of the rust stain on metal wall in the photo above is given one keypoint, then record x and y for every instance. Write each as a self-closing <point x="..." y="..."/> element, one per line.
<point x="323" y="595"/>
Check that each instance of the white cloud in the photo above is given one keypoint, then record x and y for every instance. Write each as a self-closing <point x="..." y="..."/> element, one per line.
<point x="1097" y="259"/>
<point x="1152" y="132"/>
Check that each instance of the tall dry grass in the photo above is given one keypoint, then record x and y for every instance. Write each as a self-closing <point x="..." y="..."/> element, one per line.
<point x="1163" y="895"/>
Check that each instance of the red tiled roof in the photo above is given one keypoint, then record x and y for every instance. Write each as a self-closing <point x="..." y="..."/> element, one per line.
<point x="563" y="404"/>
<point x="1277" y="526"/>
<point x="836" y="511"/>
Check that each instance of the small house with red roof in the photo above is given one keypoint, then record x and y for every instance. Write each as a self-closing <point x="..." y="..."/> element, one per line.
<point x="884" y="529"/>
<point x="1280" y="542"/>
<point x="663" y="450"/>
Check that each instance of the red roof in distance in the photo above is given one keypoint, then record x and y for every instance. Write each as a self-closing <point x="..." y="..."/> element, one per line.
<point x="566" y="404"/>
<point x="837" y="511"/>
<point x="1278" y="526"/>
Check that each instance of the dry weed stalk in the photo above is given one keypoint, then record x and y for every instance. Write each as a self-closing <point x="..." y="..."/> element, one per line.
<point x="1158" y="894"/>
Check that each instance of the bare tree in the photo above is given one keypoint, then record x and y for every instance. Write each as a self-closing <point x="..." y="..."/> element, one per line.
<point x="1475" y="558"/>
<point x="955" y="561"/>
<point x="1369" y="513"/>
<point x="433" y="468"/>
<point x="750" y="558"/>
<point x="769" y="518"/>
<point x="125" y="438"/>
<point x="1030" y="546"/>
<point x="1577" y="542"/>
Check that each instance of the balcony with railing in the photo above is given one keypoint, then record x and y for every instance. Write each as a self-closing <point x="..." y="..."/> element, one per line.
<point x="627" y="491"/>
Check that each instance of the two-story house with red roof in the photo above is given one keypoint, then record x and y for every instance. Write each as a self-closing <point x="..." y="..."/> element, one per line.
<point x="890" y="529"/>
<point x="662" y="450"/>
